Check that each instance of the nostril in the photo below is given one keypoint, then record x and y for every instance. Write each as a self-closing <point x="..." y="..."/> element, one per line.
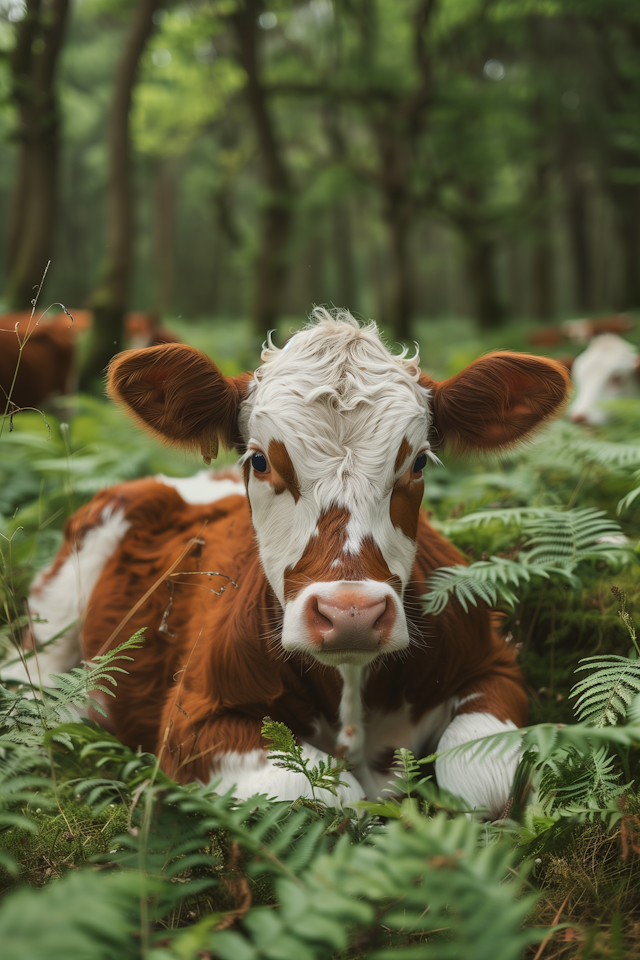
<point x="578" y="418"/>
<point x="322" y="620"/>
<point x="378" y="625"/>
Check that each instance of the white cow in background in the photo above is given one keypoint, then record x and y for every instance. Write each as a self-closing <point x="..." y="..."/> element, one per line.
<point x="609" y="369"/>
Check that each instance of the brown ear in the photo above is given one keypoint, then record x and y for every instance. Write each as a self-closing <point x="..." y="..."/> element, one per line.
<point x="497" y="400"/>
<point x="178" y="394"/>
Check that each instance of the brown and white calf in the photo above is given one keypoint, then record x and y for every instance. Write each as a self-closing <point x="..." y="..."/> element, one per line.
<point x="329" y="550"/>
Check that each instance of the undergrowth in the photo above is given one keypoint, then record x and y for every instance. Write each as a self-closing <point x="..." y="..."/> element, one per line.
<point x="102" y="855"/>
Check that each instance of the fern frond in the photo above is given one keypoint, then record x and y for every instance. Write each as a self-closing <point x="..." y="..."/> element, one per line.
<point x="28" y="720"/>
<point x="516" y="516"/>
<point x="555" y="543"/>
<point x="604" y="697"/>
<point x="572" y="777"/>
<point x="486" y="580"/>
<point x="570" y="536"/>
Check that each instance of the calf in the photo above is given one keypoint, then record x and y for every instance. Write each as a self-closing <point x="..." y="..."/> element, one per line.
<point x="609" y="369"/>
<point x="323" y="554"/>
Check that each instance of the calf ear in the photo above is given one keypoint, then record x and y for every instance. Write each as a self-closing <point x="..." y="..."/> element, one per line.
<point x="178" y="394"/>
<point x="498" y="400"/>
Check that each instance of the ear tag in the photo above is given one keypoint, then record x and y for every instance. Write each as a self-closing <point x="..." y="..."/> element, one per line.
<point x="209" y="450"/>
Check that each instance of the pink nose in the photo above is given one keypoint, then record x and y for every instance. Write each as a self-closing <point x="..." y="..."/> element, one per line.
<point x="349" y="620"/>
<point x="578" y="418"/>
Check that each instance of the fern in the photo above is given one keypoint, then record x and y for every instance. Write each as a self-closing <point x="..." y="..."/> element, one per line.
<point x="25" y="720"/>
<point x="419" y="875"/>
<point x="545" y="742"/>
<point x="572" y="777"/>
<point x="605" y="696"/>
<point x="556" y="542"/>
<point x="286" y="753"/>
<point x="571" y="536"/>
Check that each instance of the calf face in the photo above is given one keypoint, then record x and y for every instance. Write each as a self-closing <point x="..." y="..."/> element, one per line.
<point x="335" y="433"/>
<point x="607" y="370"/>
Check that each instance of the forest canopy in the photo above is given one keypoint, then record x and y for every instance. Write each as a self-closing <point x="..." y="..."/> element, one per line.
<point x="405" y="158"/>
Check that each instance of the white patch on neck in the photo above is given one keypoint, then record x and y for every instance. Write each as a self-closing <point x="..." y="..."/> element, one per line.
<point x="351" y="737"/>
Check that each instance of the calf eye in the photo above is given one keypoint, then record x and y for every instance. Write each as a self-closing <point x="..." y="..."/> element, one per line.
<point x="421" y="462"/>
<point x="259" y="462"/>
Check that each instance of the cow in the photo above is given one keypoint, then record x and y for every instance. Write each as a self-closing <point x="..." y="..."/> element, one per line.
<point x="44" y="367"/>
<point x="609" y="369"/>
<point x="293" y="589"/>
<point x="581" y="331"/>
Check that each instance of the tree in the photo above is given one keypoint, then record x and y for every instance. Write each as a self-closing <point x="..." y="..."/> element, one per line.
<point x="276" y="209"/>
<point x="32" y="222"/>
<point x="110" y="300"/>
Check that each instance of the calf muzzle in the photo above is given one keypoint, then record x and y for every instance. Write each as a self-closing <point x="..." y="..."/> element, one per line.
<point x="349" y="620"/>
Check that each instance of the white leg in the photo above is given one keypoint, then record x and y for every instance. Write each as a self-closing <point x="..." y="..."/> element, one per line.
<point x="484" y="782"/>
<point x="252" y="773"/>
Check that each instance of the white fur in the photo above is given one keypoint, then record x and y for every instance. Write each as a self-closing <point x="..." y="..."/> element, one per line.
<point x="254" y="773"/>
<point x="607" y="370"/>
<point x="63" y="599"/>
<point x="204" y="486"/>
<point x="342" y="404"/>
<point x="484" y="783"/>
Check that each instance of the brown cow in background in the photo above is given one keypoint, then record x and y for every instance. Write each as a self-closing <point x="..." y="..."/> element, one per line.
<point x="46" y="366"/>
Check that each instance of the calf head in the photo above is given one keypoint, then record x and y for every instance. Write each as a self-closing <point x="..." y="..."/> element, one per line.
<point x="335" y="433"/>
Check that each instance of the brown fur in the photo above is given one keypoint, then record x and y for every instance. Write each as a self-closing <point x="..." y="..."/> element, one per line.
<point x="235" y="672"/>
<point x="178" y="394"/>
<point x="403" y="453"/>
<point x="316" y="563"/>
<point x="405" y="504"/>
<point x="285" y="471"/>
<point x="497" y="400"/>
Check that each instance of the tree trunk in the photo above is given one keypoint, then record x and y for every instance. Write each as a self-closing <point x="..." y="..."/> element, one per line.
<point x="343" y="253"/>
<point x="111" y="298"/>
<point x="480" y="268"/>
<point x="164" y="221"/>
<point x="576" y="211"/>
<point x="32" y="223"/>
<point x="394" y="153"/>
<point x="401" y="294"/>
<point x="340" y="218"/>
<point x="626" y="203"/>
<point x="276" y="213"/>
<point x="542" y="266"/>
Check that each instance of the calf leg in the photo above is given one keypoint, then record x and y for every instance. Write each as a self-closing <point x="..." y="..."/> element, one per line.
<point x="492" y="704"/>
<point x="254" y="772"/>
<point x="483" y="782"/>
<point x="230" y="749"/>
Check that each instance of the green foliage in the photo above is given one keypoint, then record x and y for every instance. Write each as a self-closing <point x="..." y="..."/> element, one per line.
<point x="25" y="720"/>
<point x="555" y="544"/>
<point x="378" y="892"/>
<point x="605" y="696"/>
<point x="39" y="924"/>
<point x="286" y="753"/>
